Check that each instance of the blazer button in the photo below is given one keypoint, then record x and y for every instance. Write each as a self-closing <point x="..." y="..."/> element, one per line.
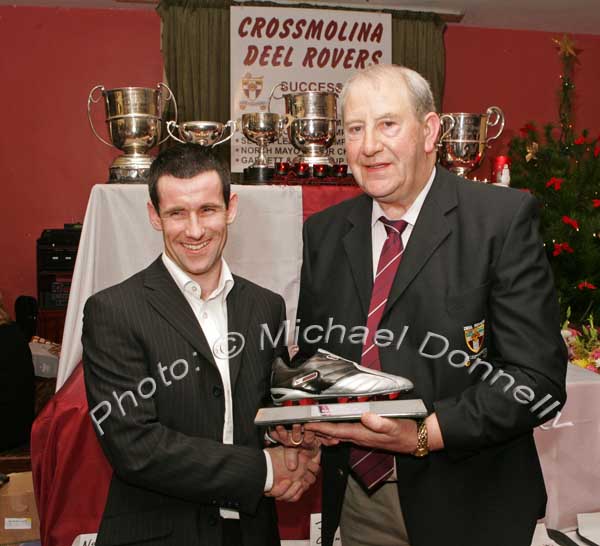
<point x="217" y="391"/>
<point x="340" y="472"/>
<point x="213" y="520"/>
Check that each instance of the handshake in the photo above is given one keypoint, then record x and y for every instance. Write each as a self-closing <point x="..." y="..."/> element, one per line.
<point x="296" y="462"/>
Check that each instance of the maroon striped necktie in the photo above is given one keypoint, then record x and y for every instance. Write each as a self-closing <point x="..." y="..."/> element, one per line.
<point x="371" y="467"/>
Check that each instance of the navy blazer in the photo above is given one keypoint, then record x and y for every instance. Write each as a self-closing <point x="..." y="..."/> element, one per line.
<point x="476" y="327"/>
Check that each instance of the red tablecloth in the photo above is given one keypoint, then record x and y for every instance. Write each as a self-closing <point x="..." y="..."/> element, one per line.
<point x="71" y="474"/>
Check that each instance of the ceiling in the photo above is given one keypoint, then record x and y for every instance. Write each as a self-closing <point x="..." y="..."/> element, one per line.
<point x="573" y="16"/>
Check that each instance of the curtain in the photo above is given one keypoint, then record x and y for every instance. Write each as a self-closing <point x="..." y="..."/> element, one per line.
<point x="418" y="43"/>
<point x="195" y="47"/>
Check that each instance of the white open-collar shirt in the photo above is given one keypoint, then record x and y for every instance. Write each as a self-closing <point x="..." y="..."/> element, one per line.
<point x="211" y="314"/>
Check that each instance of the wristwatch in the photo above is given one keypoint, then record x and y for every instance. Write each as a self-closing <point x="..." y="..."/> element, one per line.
<point x="422" y="447"/>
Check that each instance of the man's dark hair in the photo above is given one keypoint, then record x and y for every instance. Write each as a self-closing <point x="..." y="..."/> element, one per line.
<point x="186" y="161"/>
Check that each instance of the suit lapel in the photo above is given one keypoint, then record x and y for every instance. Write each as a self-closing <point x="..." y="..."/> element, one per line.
<point x="428" y="233"/>
<point x="166" y="298"/>
<point x="238" y="315"/>
<point x="358" y="245"/>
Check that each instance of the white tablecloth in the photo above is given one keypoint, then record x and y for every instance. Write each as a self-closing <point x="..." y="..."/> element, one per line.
<point x="265" y="246"/>
<point x="569" y="449"/>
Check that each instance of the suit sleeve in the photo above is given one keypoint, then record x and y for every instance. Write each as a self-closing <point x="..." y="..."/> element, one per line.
<point x="305" y="299"/>
<point x="524" y="325"/>
<point x="142" y="450"/>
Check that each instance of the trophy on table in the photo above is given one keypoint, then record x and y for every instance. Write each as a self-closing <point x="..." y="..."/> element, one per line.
<point x="134" y="116"/>
<point x="313" y="124"/>
<point x="262" y="128"/>
<point x="205" y="133"/>
<point x="463" y="142"/>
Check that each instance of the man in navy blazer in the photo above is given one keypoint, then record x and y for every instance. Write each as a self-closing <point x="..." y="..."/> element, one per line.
<point x="471" y="319"/>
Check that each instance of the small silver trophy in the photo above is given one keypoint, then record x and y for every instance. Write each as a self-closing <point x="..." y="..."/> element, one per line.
<point x="262" y="128"/>
<point x="463" y="143"/>
<point x="134" y="116"/>
<point x="205" y="133"/>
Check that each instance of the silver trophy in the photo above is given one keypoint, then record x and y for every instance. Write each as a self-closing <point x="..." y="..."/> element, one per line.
<point x="463" y="142"/>
<point x="205" y="133"/>
<point x="134" y="116"/>
<point x="262" y="128"/>
<point x="313" y="126"/>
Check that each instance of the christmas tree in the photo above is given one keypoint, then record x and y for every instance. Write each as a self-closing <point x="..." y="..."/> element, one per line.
<point x="562" y="169"/>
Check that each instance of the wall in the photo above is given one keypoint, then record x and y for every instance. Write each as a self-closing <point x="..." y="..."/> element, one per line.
<point x="50" y="159"/>
<point x="519" y="72"/>
<point x="51" y="58"/>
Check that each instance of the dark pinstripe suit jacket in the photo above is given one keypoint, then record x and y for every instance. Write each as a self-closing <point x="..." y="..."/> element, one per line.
<point x="172" y="472"/>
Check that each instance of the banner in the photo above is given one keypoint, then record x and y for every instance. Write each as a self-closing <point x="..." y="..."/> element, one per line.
<point x="297" y="50"/>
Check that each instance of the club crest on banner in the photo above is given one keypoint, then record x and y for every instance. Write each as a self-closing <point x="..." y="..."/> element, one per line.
<point x="474" y="335"/>
<point x="252" y="87"/>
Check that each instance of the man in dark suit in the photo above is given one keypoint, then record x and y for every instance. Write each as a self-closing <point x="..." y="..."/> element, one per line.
<point x="172" y="393"/>
<point x="469" y="316"/>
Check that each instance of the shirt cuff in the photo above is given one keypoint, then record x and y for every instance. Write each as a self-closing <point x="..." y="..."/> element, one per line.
<point x="269" y="478"/>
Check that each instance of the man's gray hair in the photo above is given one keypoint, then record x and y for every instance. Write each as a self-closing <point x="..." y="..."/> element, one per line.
<point x="419" y="90"/>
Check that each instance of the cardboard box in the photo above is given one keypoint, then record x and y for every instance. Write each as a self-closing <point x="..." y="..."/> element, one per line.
<point x="19" y="521"/>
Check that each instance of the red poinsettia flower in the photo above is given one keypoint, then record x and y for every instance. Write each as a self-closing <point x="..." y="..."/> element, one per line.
<point x="583" y="285"/>
<point x="559" y="248"/>
<point x="580" y="140"/>
<point x="596" y="203"/>
<point x="526" y="129"/>
<point x="555" y="183"/>
<point x="570" y="222"/>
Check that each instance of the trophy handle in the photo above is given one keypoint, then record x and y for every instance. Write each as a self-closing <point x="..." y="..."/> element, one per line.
<point x="170" y="124"/>
<point x="232" y="126"/>
<point x="452" y="123"/>
<point x="499" y="119"/>
<point x="284" y="122"/>
<point x="271" y="96"/>
<point x="289" y="119"/>
<point x="170" y="97"/>
<point x="91" y="100"/>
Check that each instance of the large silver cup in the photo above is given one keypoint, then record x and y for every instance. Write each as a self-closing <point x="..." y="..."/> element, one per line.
<point x="313" y="126"/>
<point x="134" y="116"/>
<point x="463" y="142"/>
<point x="263" y="128"/>
<point x="205" y="133"/>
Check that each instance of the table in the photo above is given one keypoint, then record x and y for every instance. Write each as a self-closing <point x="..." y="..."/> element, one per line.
<point x="569" y="449"/>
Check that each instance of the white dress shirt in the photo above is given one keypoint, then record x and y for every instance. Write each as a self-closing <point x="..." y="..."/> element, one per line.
<point x="211" y="313"/>
<point x="378" y="231"/>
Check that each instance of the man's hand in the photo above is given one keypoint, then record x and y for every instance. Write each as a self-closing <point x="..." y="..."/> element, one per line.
<point x="397" y="435"/>
<point x="294" y="441"/>
<point x="290" y="485"/>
